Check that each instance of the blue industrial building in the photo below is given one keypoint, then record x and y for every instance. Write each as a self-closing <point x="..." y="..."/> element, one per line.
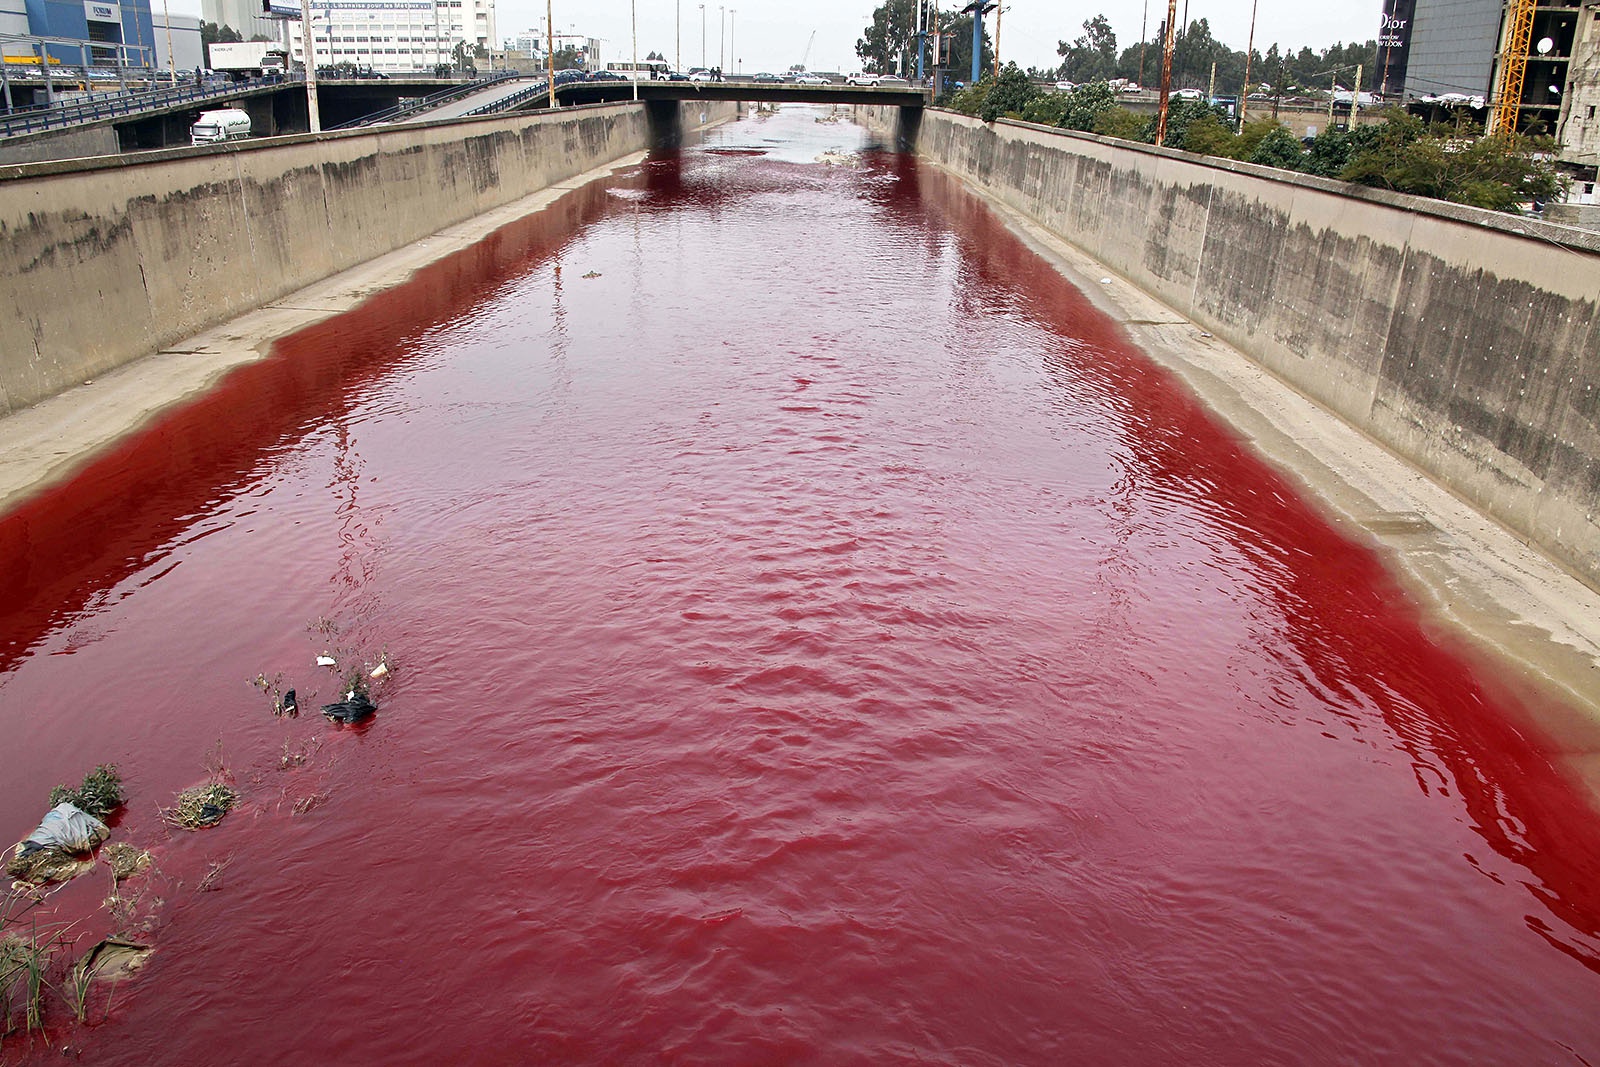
<point x="103" y="25"/>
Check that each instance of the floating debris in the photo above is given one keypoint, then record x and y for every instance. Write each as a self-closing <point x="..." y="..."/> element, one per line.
<point x="380" y="671"/>
<point x="125" y="860"/>
<point x="592" y="274"/>
<point x="201" y="806"/>
<point x="109" y="960"/>
<point x="352" y="709"/>
<point x="326" y="660"/>
<point x="289" y="705"/>
<point x="55" y="851"/>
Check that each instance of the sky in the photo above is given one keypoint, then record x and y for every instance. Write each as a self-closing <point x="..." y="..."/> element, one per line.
<point x="772" y="35"/>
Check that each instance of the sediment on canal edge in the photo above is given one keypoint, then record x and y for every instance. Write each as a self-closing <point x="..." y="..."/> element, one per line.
<point x="106" y="260"/>
<point x="1463" y="340"/>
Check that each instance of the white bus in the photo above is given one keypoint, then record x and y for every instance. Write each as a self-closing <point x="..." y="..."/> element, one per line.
<point x="649" y="69"/>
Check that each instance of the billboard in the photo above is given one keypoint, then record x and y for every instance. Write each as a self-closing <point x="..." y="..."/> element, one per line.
<point x="1394" y="44"/>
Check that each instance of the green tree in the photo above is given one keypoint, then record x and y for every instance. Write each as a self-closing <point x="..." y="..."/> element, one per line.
<point x="211" y="33"/>
<point x="1121" y="123"/>
<point x="1500" y="172"/>
<point x="1009" y="96"/>
<point x="1255" y="131"/>
<point x="1208" y="135"/>
<point x="1278" y="148"/>
<point x="885" y="44"/>
<point x="1180" y="113"/>
<point x="959" y="31"/>
<point x="1047" y="109"/>
<point x="1093" y="55"/>
<point x="1085" y="105"/>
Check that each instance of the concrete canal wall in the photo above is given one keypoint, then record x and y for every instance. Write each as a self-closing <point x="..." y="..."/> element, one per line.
<point x="1464" y="340"/>
<point x="105" y="260"/>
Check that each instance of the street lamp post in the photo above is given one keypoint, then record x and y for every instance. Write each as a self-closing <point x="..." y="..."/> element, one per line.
<point x="722" y="39"/>
<point x="677" y="59"/>
<point x="733" y="53"/>
<point x="702" y="36"/>
<point x="633" y="16"/>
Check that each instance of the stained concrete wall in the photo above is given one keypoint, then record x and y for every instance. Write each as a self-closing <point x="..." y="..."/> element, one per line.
<point x="1464" y="340"/>
<point x="109" y="259"/>
<point x="74" y="142"/>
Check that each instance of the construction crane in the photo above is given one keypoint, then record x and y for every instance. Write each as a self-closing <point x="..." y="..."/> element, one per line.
<point x="807" y="53"/>
<point x="1513" y="67"/>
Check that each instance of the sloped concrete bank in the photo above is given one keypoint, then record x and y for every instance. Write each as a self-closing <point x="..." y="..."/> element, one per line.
<point x="1463" y="340"/>
<point x="106" y="260"/>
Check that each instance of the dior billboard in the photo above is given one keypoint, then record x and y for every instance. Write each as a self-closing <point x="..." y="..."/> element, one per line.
<point x="1394" y="44"/>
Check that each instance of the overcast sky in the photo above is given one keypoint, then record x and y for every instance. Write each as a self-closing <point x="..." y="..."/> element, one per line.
<point x="772" y="34"/>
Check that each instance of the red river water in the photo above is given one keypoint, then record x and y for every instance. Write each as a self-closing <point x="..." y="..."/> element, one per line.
<point x="818" y="636"/>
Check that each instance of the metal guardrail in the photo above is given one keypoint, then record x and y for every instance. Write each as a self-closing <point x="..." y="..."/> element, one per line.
<point x="427" y="103"/>
<point x="506" y="103"/>
<point x="36" y="120"/>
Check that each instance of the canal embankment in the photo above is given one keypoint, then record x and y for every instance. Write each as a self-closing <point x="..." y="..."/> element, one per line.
<point x="1463" y="340"/>
<point x="110" y="259"/>
<point x="1377" y="360"/>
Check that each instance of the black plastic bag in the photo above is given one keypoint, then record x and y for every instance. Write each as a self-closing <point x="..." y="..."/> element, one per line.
<point x="353" y="708"/>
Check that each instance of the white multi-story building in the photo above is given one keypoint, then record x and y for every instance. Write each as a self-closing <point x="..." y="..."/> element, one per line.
<point x="394" y="35"/>
<point x="530" y="42"/>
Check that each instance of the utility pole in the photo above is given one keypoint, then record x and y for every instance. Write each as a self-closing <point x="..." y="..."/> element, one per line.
<point x="733" y="53"/>
<point x="172" y="63"/>
<point x="677" y="59"/>
<point x="633" y="15"/>
<point x="1144" y="26"/>
<point x="702" y="36"/>
<point x="1355" y="97"/>
<point x="1166" y="71"/>
<point x="308" y="54"/>
<point x="1249" y="53"/>
<point x="999" y="12"/>
<point x="550" y="50"/>
<point x="722" y="39"/>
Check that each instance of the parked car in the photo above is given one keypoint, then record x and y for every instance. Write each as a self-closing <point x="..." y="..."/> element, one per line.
<point x="607" y="76"/>
<point x="765" y="78"/>
<point x="891" y="80"/>
<point x="861" y="79"/>
<point x="1188" y="94"/>
<point x="702" y="76"/>
<point x="811" y="79"/>
<point x="677" y="76"/>
<point x="1065" y="86"/>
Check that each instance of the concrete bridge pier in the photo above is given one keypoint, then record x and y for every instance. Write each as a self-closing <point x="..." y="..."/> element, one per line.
<point x="664" y="120"/>
<point x="907" y="125"/>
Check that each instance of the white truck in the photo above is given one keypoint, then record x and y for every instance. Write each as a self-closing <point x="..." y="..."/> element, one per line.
<point x="226" y="124"/>
<point x="250" y="59"/>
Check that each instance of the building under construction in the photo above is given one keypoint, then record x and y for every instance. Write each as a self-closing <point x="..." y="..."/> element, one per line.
<point x="1533" y="65"/>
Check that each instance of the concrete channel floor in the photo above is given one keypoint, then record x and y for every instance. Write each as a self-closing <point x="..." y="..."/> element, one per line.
<point x="1536" y="623"/>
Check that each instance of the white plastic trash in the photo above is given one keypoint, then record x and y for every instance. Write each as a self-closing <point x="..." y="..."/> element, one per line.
<point x="68" y="828"/>
<point x="326" y="661"/>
